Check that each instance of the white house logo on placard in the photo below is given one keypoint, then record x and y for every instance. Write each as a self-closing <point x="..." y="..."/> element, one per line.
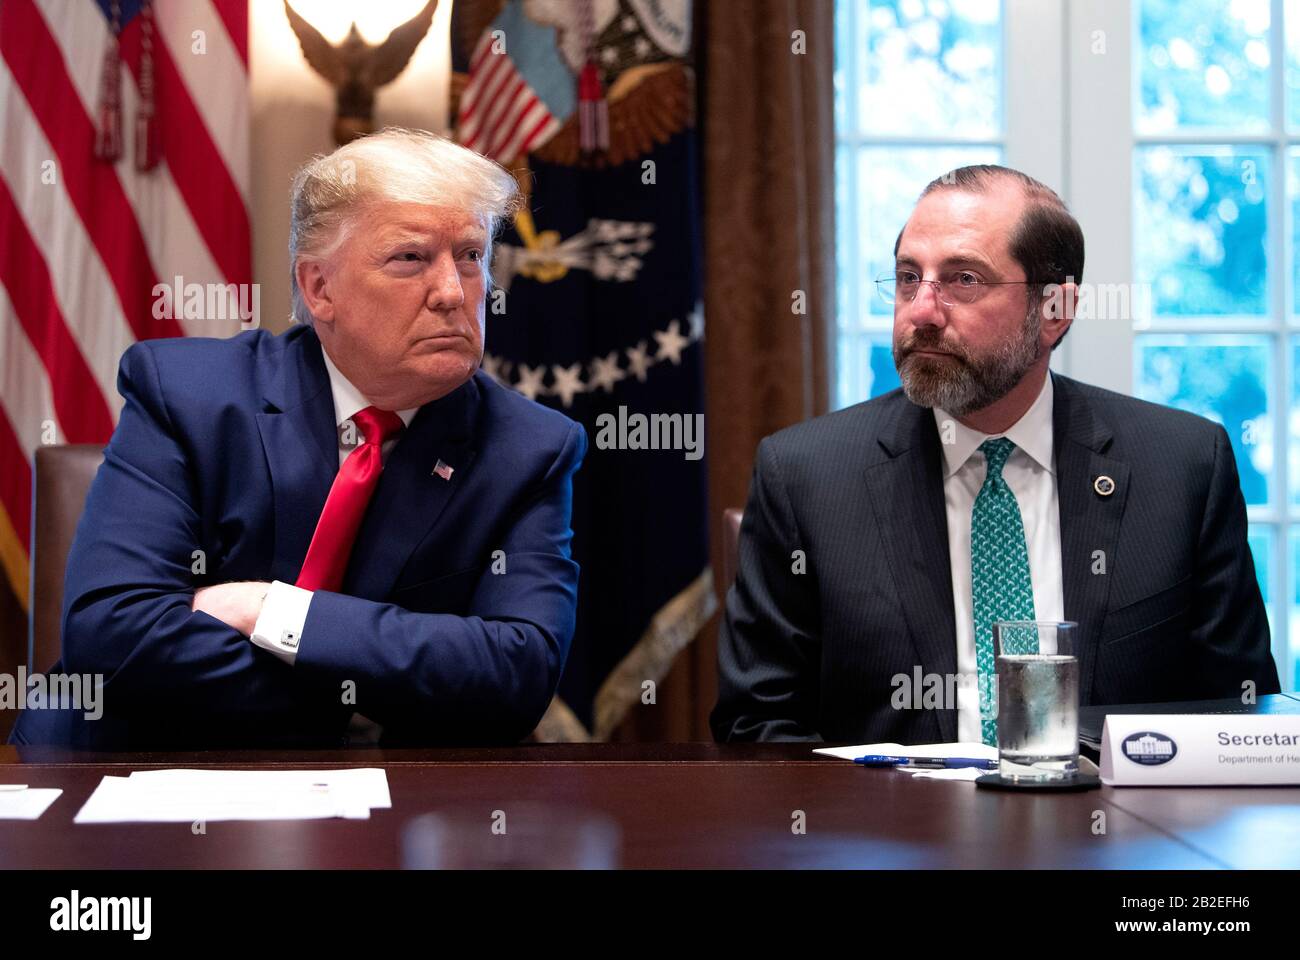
<point x="1149" y="749"/>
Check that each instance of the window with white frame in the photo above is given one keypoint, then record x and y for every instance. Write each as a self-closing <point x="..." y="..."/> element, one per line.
<point x="918" y="91"/>
<point x="1216" y="179"/>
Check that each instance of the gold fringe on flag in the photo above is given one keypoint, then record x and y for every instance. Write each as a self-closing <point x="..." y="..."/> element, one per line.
<point x="671" y="630"/>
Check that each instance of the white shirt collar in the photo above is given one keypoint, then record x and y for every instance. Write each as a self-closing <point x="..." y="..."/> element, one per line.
<point x="1032" y="433"/>
<point x="348" y="399"/>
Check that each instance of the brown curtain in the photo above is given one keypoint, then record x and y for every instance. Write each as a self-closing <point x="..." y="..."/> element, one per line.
<point x="769" y="225"/>
<point x="767" y="129"/>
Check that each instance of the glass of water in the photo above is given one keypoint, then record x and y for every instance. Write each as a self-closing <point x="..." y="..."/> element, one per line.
<point x="1038" y="699"/>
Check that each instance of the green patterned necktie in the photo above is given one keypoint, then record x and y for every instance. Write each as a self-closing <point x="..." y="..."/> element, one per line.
<point x="1001" y="588"/>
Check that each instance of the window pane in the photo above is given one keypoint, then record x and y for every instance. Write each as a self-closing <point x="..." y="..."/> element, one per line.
<point x="1203" y="64"/>
<point x="1291" y="24"/>
<point x="1225" y="377"/>
<point x="1293" y="419"/>
<point x="1201" y="230"/>
<point x="842" y="63"/>
<point x="847" y="279"/>
<point x="866" y="366"/>
<point x="930" y="68"/>
<point x="1293" y="597"/>
<point x="1293" y="202"/>
<point x="889" y="181"/>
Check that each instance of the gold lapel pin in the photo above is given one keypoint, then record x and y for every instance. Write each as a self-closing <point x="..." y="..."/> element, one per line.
<point x="1104" y="486"/>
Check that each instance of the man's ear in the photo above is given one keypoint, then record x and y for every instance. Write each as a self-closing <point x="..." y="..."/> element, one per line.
<point x="313" y="285"/>
<point x="1057" y="310"/>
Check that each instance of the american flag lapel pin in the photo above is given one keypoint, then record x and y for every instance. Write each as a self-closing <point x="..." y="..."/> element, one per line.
<point x="442" y="470"/>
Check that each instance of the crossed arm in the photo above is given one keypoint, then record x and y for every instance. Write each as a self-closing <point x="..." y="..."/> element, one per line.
<point x="132" y="612"/>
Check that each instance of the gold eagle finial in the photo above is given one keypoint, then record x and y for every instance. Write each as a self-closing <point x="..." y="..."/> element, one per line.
<point x="356" y="69"/>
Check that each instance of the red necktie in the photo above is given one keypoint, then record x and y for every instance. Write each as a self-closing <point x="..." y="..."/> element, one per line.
<point x="331" y="545"/>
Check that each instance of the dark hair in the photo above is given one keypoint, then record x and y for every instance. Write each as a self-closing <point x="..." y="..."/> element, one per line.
<point x="1047" y="242"/>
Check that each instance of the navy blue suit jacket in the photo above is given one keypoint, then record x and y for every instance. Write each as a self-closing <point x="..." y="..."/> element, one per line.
<point x="229" y="447"/>
<point x="1158" y="573"/>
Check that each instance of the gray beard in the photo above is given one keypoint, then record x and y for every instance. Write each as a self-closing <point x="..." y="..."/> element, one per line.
<point x="962" y="384"/>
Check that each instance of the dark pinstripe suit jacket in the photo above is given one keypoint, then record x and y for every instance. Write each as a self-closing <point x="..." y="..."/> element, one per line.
<point x="1177" y="614"/>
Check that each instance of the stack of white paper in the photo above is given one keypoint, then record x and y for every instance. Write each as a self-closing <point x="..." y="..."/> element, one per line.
<point x="25" y="803"/>
<point x="181" y="796"/>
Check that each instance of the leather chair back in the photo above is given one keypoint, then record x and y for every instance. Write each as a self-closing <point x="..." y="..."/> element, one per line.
<point x="731" y="519"/>
<point x="63" y="476"/>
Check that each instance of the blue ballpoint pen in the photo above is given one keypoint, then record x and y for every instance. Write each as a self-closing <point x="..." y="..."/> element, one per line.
<point x="925" y="763"/>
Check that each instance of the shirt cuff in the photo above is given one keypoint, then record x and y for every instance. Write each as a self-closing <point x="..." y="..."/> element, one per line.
<point x="279" y="625"/>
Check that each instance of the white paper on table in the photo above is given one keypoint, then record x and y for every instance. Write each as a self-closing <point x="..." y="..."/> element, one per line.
<point x="368" y="785"/>
<point x="117" y="800"/>
<point x="179" y="796"/>
<point x="976" y="751"/>
<point x="27" y="804"/>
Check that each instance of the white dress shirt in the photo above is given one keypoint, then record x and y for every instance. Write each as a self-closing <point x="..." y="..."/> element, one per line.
<point x="284" y="611"/>
<point x="1030" y="472"/>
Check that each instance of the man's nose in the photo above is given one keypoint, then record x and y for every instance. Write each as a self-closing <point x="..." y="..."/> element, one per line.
<point x="926" y="310"/>
<point x="445" y="289"/>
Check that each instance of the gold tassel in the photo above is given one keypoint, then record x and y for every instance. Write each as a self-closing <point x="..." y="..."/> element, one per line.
<point x="593" y="110"/>
<point x="147" y="145"/>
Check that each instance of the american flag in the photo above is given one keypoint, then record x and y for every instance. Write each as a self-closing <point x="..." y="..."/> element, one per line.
<point x="509" y="106"/>
<point x="87" y="245"/>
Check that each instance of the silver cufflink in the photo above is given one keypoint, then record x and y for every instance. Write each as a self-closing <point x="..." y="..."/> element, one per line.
<point x="289" y="639"/>
<point x="1104" y="486"/>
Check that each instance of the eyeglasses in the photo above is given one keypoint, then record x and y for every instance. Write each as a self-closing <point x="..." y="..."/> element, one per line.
<point x="960" y="287"/>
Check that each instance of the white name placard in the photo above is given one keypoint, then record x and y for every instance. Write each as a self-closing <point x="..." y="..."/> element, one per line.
<point x="1184" y="749"/>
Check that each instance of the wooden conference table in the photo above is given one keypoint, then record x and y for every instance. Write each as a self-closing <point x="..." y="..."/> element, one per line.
<point x="678" y="805"/>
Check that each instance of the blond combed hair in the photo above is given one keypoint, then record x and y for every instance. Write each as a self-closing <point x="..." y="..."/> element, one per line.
<point x="394" y="165"/>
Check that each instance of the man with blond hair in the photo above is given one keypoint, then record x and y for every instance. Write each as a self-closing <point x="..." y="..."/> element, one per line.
<point x="344" y="530"/>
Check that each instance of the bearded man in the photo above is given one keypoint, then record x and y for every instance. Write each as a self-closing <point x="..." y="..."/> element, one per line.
<point x="881" y="542"/>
